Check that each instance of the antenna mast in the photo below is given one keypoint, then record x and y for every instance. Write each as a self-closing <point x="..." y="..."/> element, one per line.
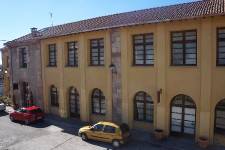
<point x="51" y="16"/>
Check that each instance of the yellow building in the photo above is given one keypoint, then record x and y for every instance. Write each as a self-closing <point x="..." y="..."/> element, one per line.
<point x="5" y="70"/>
<point x="159" y="68"/>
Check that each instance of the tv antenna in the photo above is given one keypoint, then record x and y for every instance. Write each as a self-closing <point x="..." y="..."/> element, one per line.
<point x="51" y="16"/>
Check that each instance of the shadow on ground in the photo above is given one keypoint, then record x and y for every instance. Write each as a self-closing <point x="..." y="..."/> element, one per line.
<point x="3" y="113"/>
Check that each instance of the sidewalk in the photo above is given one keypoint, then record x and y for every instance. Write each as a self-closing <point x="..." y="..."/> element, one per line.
<point x="171" y="143"/>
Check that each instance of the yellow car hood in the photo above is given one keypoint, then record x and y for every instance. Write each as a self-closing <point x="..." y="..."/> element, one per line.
<point x="85" y="128"/>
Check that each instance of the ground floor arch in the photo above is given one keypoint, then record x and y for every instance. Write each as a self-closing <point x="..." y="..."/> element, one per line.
<point x="219" y="123"/>
<point x="182" y="115"/>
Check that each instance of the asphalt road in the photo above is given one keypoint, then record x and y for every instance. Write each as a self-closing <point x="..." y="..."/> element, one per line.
<point x="61" y="134"/>
<point x="51" y="134"/>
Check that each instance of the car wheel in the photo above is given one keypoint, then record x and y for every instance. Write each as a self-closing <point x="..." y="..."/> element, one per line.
<point x="116" y="143"/>
<point x="27" y="122"/>
<point x="11" y="118"/>
<point x="84" y="137"/>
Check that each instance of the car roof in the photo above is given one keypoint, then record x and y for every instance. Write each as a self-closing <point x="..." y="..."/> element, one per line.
<point x="31" y="108"/>
<point x="108" y="123"/>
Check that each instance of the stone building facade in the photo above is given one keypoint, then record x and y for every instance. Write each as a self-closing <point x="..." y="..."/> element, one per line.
<point x="25" y="73"/>
<point x="5" y="71"/>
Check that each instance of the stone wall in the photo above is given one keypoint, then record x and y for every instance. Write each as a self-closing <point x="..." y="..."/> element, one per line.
<point x="31" y="74"/>
<point x="116" y="76"/>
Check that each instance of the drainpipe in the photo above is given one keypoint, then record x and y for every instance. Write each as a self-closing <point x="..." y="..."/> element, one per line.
<point x="11" y="72"/>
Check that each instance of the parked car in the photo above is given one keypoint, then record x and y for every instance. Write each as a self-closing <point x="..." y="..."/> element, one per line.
<point x="27" y="115"/>
<point x="2" y="106"/>
<point x="106" y="132"/>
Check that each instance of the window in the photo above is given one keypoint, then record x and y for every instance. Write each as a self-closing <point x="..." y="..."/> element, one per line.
<point x="143" y="52"/>
<point x="97" y="52"/>
<point x="74" y="102"/>
<point x="72" y="54"/>
<point x="54" y="96"/>
<point x="15" y="86"/>
<point x="143" y="107"/>
<point x="52" y="55"/>
<point x="182" y="115"/>
<point x="98" y="102"/>
<point x="98" y="127"/>
<point x="220" y="47"/>
<point x="184" y="48"/>
<point x="7" y="61"/>
<point x="23" y="57"/>
<point x="220" y="117"/>
<point x="109" y="129"/>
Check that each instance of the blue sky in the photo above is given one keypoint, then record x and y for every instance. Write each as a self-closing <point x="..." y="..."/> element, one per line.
<point x="18" y="16"/>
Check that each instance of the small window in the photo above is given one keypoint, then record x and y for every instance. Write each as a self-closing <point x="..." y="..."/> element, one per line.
<point x="23" y="57"/>
<point x="98" y="127"/>
<point x="98" y="102"/>
<point x="109" y="129"/>
<point x="54" y="96"/>
<point x="184" y="48"/>
<point x="15" y="86"/>
<point x="143" y="52"/>
<point x="52" y="55"/>
<point x="97" y="52"/>
<point x="72" y="54"/>
<point x="220" y="47"/>
<point x="7" y="61"/>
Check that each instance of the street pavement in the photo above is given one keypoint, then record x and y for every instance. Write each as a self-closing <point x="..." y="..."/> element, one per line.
<point x="52" y="134"/>
<point x="61" y="134"/>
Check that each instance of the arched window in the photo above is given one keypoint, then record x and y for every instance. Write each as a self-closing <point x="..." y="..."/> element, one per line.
<point x="220" y="117"/>
<point x="74" y="102"/>
<point x="183" y="111"/>
<point x="98" y="102"/>
<point x="143" y="107"/>
<point x="54" y="96"/>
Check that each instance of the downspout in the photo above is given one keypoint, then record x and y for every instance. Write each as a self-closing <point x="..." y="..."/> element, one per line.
<point x="11" y="72"/>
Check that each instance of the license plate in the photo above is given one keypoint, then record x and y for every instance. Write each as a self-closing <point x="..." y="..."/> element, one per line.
<point x="39" y="117"/>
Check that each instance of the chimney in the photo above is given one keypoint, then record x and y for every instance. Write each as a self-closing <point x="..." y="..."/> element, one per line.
<point x="34" y="32"/>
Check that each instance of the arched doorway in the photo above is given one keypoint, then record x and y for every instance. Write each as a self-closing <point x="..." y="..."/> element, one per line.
<point x="183" y="115"/>
<point x="74" y="103"/>
<point x="219" y="125"/>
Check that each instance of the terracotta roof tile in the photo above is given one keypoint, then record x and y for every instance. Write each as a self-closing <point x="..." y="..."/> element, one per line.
<point x="196" y="9"/>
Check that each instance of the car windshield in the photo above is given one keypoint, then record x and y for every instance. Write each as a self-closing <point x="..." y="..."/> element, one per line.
<point x="22" y="110"/>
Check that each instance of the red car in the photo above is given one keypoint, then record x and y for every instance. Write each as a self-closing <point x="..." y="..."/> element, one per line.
<point x="27" y="115"/>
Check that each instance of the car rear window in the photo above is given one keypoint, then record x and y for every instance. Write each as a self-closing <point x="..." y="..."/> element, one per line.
<point x="124" y="128"/>
<point x="109" y="129"/>
<point x="36" y="111"/>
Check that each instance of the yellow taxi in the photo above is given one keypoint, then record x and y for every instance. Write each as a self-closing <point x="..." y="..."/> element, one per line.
<point x="106" y="132"/>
